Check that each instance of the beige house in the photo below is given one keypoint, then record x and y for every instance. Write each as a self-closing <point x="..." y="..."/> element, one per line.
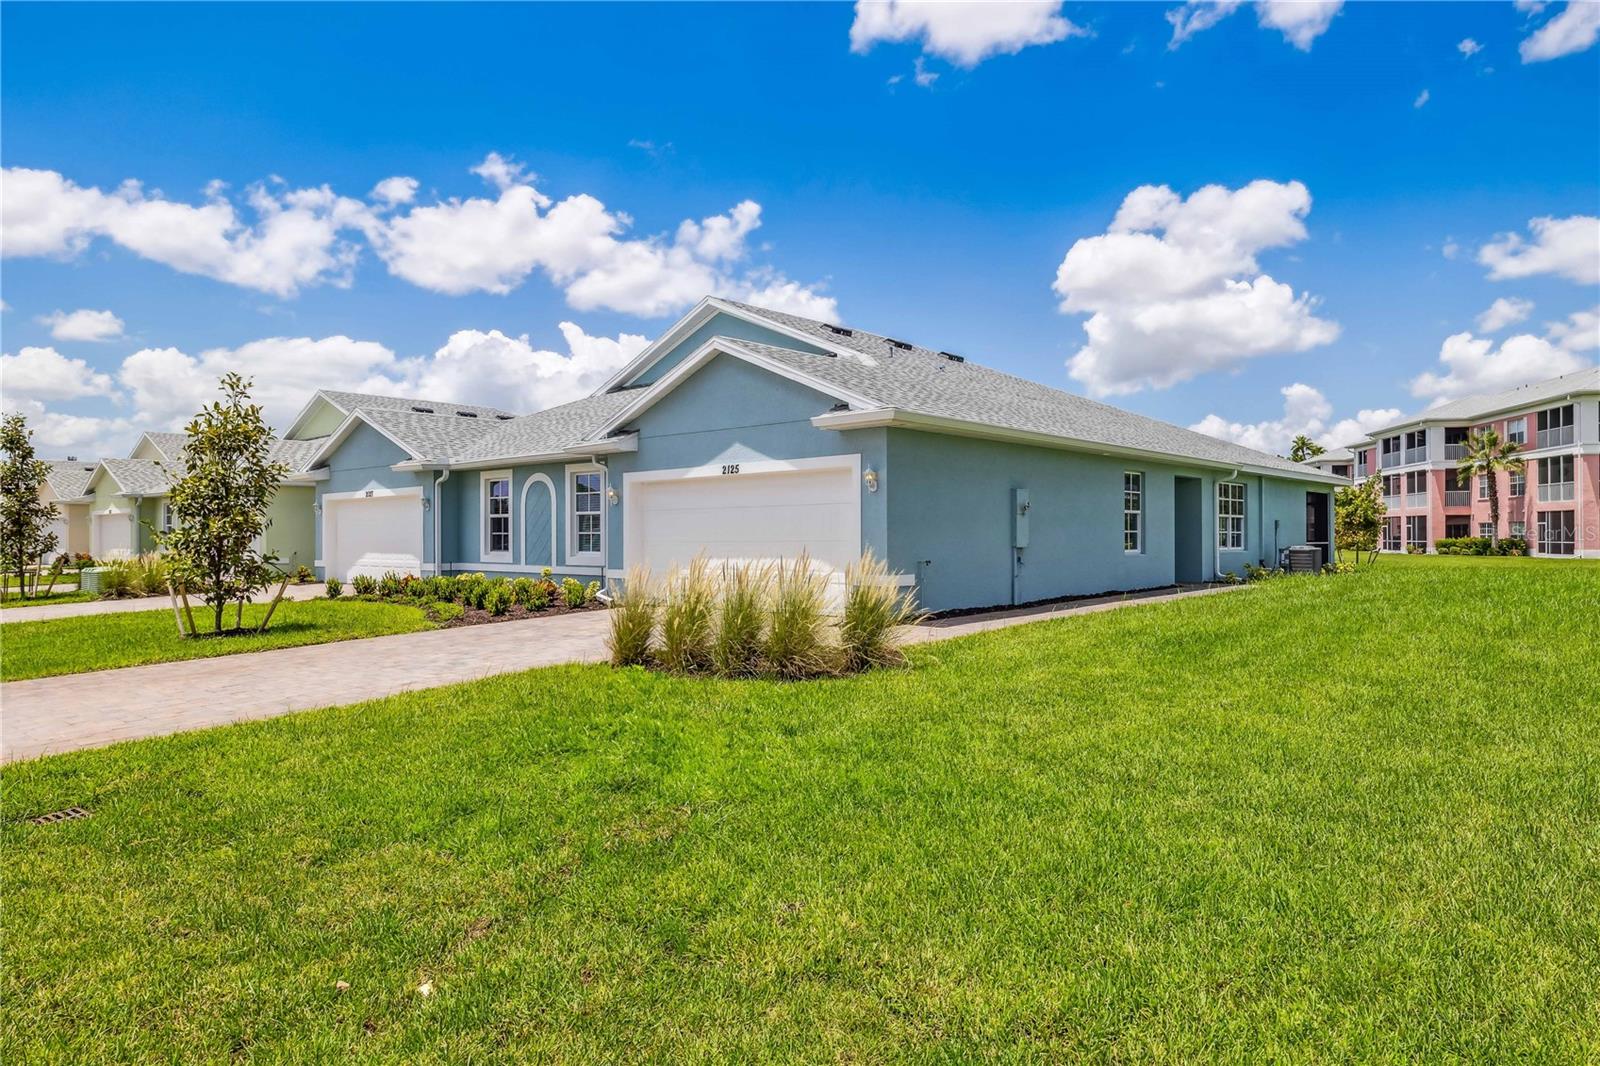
<point x="67" y="486"/>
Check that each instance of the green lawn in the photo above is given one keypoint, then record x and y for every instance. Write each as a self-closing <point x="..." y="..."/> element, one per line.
<point x="1319" y="819"/>
<point x="103" y="641"/>
<point x="69" y="594"/>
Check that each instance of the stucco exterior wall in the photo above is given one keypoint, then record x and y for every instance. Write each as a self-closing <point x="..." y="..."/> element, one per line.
<point x="291" y="529"/>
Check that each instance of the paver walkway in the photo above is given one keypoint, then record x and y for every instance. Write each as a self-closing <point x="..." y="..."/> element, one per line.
<point x="55" y="714"/>
<point x="45" y="612"/>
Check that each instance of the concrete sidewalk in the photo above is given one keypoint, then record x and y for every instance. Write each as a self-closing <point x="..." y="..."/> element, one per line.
<point x="56" y="714"/>
<point x="48" y="611"/>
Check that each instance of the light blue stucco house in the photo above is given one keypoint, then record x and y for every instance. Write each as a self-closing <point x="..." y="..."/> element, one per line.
<point x="744" y="433"/>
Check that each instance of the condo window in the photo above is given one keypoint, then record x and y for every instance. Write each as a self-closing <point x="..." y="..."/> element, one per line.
<point x="587" y="490"/>
<point x="1556" y="479"/>
<point x="1519" y="483"/>
<point x="1519" y="529"/>
<point x="1391" y="535"/>
<point x="1485" y="529"/>
<point x="1517" y="431"/>
<point x="1483" y="486"/>
<point x="1555" y="427"/>
<point x="1456" y="527"/>
<point x="1417" y="530"/>
<point x="1132" y="512"/>
<point x="1557" y="533"/>
<point x="497" y="516"/>
<point x="1230" y="516"/>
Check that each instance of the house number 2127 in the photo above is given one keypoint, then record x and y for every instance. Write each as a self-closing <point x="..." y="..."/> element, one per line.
<point x="730" y="468"/>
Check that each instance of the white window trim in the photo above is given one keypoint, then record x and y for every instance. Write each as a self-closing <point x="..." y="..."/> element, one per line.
<point x="165" y="517"/>
<point x="1244" y="517"/>
<point x="569" y="475"/>
<point x="483" y="518"/>
<point x="1138" y="549"/>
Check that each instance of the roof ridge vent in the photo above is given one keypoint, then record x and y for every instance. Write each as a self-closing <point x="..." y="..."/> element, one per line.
<point x="466" y="414"/>
<point x="840" y="330"/>
<point x="904" y="346"/>
<point x="953" y="357"/>
<point x="422" y="410"/>
<point x="504" y="418"/>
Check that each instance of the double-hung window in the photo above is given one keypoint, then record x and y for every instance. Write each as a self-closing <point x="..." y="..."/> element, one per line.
<point x="588" y="492"/>
<point x="1556" y="479"/>
<point x="1517" y="430"/>
<point x="1230" y="516"/>
<point x="497" y="517"/>
<point x="166" y="516"/>
<point x="1519" y="483"/>
<point x="1485" y="529"/>
<point x="1132" y="512"/>
<point x="1483" y="486"/>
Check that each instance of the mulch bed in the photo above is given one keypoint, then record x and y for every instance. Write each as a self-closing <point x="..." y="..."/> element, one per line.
<point x="963" y="612"/>
<point x="477" y="616"/>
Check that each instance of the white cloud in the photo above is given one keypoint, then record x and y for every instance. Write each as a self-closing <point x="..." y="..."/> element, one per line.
<point x="1305" y="410"/>
<point x="500" y="171"/>
<point x="1580" y="332"/>
<point x="1173" y="288"/>
<point x="791" y="297"/>
<point x="1569" y="247"/>
<point x="46" y="374"/>
<point x="500" y="371"/>
<point x="57" y="435"/>
<point x="1421" y="100"/>
<point x="1469" y="47"/>
<point x="396" y="190"/>
<point x="1300" y="21"/>
<point x="965" y="32"/>
<point x="1574" y="30"/>
<point x="83" y="325"/>
<point x="292" y="243"/>
<point x="922" y="75"/>
<point x="1474" y="365"/>
<point x="1505" y="311"/>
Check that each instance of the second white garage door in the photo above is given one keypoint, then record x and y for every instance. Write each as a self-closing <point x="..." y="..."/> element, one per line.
<point x="372" y="535"/>
<point x="754" y="512"/>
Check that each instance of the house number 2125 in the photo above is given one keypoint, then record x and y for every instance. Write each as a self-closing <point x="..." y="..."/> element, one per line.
<point x="730" y="468"/>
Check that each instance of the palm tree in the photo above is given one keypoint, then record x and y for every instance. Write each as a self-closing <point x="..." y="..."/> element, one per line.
<point x="1486" y="455"/>
<point x="1303" y="448"/>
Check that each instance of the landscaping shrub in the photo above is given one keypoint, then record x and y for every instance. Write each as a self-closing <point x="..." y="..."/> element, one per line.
<point x="633" y="619"/>
<point x="591" y="592"/>
<point x="472" y="588"/>
<point x="1514" y="546"/>
<point x="797" y="628"/>
<point x="444" y="587"/>
<point x="391" y="585"/>
<point x="572" y="592"/>
<point x="497" y="596"/>
<point x="150" y="573"/>
<point x="685" y="618"/>
<point x="736" y="644"/>
<point x="119" y="580"/>
<point x="335" y="588"/>
<point x="543" y="594"/>
<point x="522" y="591"/>
<point x="875" y="608"/>
<point x="445" y="611"/>
<point x="304" y="576"/>
<point x="364" y="585"/>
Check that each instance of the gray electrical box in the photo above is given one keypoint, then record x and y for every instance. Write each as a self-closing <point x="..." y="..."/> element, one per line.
<point x="1019" y="518"/>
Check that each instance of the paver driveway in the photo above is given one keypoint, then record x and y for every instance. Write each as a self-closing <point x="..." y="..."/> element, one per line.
<point x="56" y="714"/>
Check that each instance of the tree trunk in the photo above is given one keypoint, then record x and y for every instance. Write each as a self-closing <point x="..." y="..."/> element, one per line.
<point x="217" y="608"/>
<point x="1494" y="516"/>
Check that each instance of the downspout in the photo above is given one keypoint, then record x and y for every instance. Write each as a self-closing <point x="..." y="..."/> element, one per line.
<point x="133" y="519"/>
<point x="438" y="521"/>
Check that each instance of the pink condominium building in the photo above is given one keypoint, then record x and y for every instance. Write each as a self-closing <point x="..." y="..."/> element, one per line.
<point x="1555" y="504"/>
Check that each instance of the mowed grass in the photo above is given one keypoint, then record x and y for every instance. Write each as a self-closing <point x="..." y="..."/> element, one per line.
<point x="1312" y="820"/>
<point x="61" y="594"/>
<point x="105" y="641"/>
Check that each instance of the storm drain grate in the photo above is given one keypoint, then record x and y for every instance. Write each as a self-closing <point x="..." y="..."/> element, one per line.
<point x="71" y="814"/>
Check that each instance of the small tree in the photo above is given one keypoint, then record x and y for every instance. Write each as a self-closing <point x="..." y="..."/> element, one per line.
<point x="219" y="504"/>
<point x="1303" y="448"/>
<point x="1358" y="517"/>
<point x="1487" y="454"/>
<point x="25" y="533"/>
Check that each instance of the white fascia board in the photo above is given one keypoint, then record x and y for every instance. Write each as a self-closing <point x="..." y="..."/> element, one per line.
<point x="891" y="417"/>
<point x="703" y="355"/>
<point x="294" y="426"/>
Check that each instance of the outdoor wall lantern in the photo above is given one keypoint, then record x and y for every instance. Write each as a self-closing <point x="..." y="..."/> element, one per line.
<point x="871" y="478"/>
<point x="611" y="494"/>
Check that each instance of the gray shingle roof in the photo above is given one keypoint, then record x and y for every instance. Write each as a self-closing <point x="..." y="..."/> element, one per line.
<point x="1472" y="407"/>
<point x="435" y="436"/>
<point x="69" y="479"/>
<point x="924" y="381"/>
<point x="296" y="454"/>
<point x="552" y="430"/>
<point x="137" y="477"/>
<point x="170" y="445"/>
<point x="350" y="401"/>
<point x="1335" y="455"/>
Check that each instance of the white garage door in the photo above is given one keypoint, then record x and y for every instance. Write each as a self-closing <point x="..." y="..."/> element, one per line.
<point x="759" y="514"/>
<point x="372" y="536"/>
<point x="113" y="536"/>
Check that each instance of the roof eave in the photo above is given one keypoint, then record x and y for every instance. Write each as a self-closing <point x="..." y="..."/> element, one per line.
<point x="893" y="417"/>
<point x="628" y="442"/>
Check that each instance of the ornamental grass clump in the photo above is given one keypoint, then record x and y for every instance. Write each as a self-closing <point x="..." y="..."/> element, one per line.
<point x="736" y="644"/>
<point x="119" y="580"/>
<point x="686" y="616"/>
<point x="334" y="588"/>
<point x="875" y="609"/>
<point x="633" y="618"/>
<point x="797" y="644"/>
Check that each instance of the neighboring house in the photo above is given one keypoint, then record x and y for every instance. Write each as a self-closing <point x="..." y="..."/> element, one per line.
<point x="67" y="486"/>
<point x="128" y="501"/>
<point x="743" y="434"/>
<point x="1340" y="462"/>
<point x="1555" y="504"/>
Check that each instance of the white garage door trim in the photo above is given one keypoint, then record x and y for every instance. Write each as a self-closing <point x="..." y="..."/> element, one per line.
<point x="100" y="550"/>
<point x="340" y="563"/>
<point x="632" y="526"/>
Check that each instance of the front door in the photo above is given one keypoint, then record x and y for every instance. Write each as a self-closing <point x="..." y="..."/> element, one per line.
<point x="1317" y="523"/>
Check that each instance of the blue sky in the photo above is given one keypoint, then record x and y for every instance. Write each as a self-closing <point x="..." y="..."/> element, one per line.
<point x="1347" y="190"/>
